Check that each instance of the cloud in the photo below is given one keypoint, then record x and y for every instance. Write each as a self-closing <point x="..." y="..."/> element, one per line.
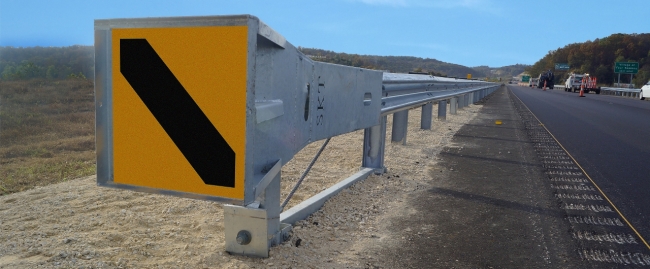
<point x="394" y="3"/>
<point x="431" y="46"/>
<point x="483" y="5"/>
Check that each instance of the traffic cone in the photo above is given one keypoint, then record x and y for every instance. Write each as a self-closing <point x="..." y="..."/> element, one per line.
<point x="582" y="92"/>
<point x="544" y="85"/>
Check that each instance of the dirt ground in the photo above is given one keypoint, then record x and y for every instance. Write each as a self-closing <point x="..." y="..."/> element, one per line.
<point x="76" y="224"/>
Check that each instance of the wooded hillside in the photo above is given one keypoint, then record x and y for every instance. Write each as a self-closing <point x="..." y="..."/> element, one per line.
<point x="18" y="63"/>
<point x="405" y="64"/>
<point x="598" y="57"/>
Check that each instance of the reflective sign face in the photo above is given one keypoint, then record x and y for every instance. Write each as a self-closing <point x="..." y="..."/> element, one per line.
<point x="179" y="108"/>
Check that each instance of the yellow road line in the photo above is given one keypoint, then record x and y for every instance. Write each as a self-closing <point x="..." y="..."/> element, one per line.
<point x="585" y="173"/>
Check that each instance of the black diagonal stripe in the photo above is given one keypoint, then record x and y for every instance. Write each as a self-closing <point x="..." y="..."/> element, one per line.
<point x="178" y="114"/>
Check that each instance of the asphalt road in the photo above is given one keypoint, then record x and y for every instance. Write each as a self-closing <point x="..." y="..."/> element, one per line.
<point x="609" y="137"/>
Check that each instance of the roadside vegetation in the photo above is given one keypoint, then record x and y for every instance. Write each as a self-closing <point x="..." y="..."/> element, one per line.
<point x="598" y="57"/>
<point x="405" y="64"/>
<point x="47" y="132"/>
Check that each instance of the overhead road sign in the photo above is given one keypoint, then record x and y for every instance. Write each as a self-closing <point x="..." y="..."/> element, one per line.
<point x="525" y="78"/>
<point x="626" y="67"/>
<point x="562" y="66"/>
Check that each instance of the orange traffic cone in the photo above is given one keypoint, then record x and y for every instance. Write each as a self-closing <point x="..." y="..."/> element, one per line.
<point x="545" y="85"/>
<point x="582" y="92"/>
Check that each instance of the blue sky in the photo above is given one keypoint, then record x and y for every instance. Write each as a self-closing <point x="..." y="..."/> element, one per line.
<point x="466" y="32"/>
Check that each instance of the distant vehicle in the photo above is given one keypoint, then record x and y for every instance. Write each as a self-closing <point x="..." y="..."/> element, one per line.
<point x="546" y="77"/>
<point x="589" y="84"/>
<point x="572" y="84"/>
<point x="645" y="91"/>
<point x="532" y="82"/>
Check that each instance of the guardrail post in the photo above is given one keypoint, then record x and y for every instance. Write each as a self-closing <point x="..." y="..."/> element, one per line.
<point x="461" y="101"/>
<point x="467" y="97"/>
<point x="425" y="119"/>
<point x="453" y="104"/>
<point x="442" y="110"/>
<point x="254" y="229"/>
<point x="400" y="124"/>
<point x="374" y="143"/>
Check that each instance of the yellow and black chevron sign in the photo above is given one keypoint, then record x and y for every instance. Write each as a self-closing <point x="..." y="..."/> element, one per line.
<point x="179" y="108"/>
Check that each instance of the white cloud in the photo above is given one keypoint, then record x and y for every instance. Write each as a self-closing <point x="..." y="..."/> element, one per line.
<point x="431" y="46"/>
<point x="482" y="5"/>
<point x="395" y="3"/>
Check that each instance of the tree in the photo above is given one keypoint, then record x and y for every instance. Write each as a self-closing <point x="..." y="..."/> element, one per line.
<point x="51" y="72"/>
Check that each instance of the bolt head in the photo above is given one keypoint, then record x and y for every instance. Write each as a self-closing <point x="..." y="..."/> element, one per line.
<point x="243" y="237"/>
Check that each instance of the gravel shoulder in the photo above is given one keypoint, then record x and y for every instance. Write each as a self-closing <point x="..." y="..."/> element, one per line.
<point x="76" y="224"/>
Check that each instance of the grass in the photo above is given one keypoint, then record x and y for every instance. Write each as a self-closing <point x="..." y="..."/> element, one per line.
<point x="47" y="132"/>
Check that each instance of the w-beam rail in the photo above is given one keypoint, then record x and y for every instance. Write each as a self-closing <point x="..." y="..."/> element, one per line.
<point x="265" y="99"/>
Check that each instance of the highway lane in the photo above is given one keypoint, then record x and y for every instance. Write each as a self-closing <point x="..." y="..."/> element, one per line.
<point x="609" y="137"/>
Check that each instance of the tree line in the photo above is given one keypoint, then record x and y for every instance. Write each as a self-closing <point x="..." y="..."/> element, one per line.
<point x="405" y="64"/>
<point x="20" y="63"/>
<point x="598" y="58"/>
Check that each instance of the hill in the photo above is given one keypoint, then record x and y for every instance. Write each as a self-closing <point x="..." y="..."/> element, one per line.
<point x="598" y="57"/>
<point x="405" y="64"/>
<point x="504" y="71"/>
<point x="18" y="63"/>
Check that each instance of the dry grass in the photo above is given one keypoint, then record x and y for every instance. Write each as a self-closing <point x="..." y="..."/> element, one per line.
<point x="47" y="132"/>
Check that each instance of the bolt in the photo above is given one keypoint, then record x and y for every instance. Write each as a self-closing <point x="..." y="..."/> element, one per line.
<point x="243" y="237"/>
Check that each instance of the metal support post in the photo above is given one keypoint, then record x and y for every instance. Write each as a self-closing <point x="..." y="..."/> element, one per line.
<point x="400" y="126"/>
<point x="453" y="105"/>
<point x="252" y="230"/>
<point x="374" y="143"/>
<point x="425" y="120"/>
<point x="461" y="101"/>
<point x="442" y="110"/>
<point x="467" y="98"/>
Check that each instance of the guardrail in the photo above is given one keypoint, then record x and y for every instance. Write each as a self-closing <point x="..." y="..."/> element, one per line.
<point x="624" y="92"/>
<point x="215" y="116"/>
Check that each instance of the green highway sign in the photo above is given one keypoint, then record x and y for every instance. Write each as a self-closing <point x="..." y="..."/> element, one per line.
<point x="561" y="66"/>
<point x="626" y="68"/>
<point x="525" y="78"/>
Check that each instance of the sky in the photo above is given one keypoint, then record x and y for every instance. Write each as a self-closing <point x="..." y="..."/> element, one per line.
<point x="467" y="32"/>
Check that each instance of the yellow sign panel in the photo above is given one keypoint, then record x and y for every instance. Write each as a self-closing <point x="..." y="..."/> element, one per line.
<point x="179" y="108"/>
<point x="469" y="76"/>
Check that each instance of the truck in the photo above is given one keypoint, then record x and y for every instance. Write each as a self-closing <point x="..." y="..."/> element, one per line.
<point x="645" y="91"/>
<point x="572" y="83"/>
<point x="577" y="81"/>
<point x="546" y="78"/>
<point x="532" y="82"/>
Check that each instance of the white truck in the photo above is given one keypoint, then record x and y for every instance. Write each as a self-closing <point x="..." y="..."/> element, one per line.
<point x="532" y="82"/>
<point x="572" y="84"/>
<point x="645" y="91"/>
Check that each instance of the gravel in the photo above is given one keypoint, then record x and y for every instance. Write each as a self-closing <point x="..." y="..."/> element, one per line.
<point x="76" y="224"/>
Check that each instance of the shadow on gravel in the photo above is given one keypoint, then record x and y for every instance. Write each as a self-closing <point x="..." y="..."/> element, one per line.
<point x="498" y="202"/>
<point x="488" y="159"/>
<point x="492" y="138"/>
